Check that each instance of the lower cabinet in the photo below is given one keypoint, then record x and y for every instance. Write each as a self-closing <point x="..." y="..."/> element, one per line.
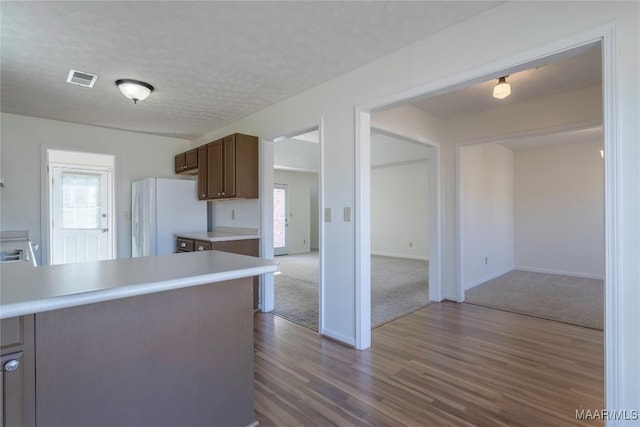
<point x="17" y="372"/>
<point x="249" y="247"/>
<point x="181" y="357"/>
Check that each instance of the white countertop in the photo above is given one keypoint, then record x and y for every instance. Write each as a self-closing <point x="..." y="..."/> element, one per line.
<point x="223" y="234"/>
<point x="28" y="290"/>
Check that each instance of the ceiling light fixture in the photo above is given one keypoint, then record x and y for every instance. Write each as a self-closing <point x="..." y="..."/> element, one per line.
<point x="135" y="90"/>
<point x="502" y="89"/>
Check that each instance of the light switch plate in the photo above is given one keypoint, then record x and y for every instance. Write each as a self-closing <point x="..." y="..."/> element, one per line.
<point x="327" y="214"/>
<point x="347" y="214"/>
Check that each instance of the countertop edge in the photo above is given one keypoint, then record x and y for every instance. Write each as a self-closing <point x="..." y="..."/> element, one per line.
<point x="94" y="296"/>
<point x="205" y="238"/>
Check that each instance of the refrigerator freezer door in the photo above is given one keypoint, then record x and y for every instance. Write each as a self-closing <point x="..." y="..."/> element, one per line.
<point x="178" y="211"/>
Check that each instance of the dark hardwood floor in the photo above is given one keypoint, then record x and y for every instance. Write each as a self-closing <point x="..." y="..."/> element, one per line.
<point x="447" y="364"/>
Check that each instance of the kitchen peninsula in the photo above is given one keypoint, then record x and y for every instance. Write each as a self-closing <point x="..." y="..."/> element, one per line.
<point x="150" y="341"/>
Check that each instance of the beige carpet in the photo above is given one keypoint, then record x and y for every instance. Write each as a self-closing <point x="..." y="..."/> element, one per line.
<point x="398" y="286"/>
<point x="567" y="299"/>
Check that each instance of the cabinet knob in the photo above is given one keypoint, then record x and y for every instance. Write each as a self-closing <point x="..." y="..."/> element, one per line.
<point x="203" y="195"/>
<point x="183" y="245"/>
<point x="11" y="365"/>
<point x="201" y="248"/>
<point x="224" y="194"/>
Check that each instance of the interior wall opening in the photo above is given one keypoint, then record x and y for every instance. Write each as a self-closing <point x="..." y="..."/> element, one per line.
<point x="399" y="226"/>
<point x="296" y="227"/>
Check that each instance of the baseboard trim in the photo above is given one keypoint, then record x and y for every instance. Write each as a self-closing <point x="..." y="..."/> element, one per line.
<point x="560" y="272"/>
<point x="336" y="336"/>
<point x="475" y="283"/>
<point x="392" y="255"/>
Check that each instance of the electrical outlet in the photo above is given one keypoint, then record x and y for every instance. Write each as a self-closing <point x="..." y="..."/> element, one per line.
<point x="410" y="244"/>
<point x="327" y="214"/>
<point x="233" y="214"/>
<point x="486" y="260"/>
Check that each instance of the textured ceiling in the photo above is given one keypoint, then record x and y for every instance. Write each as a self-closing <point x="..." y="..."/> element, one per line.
<point x="576" y="69"/>
<point x="210" y="62"/>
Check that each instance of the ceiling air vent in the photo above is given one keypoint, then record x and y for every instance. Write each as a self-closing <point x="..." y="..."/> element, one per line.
<point x="81" y="78"/>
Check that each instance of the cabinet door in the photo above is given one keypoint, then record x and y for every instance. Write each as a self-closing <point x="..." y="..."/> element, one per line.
<point x="13" y="389"/>
<point x="202" y="172"/>
<point x="246" y="166"/>
<point x="180" y="163"/>
<point x="191" y="159"/>
<point x="215" y="170"/>
<point x="17" y="372"/>
<point x="229" y="153"/>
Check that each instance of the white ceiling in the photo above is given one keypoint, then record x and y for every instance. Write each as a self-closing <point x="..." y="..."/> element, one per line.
<point x="572" y="70"/>
<point x="210" y="62"/>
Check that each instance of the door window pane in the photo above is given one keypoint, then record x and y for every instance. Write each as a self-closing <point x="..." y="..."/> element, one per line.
<point x="279" y="218"/>
<point x="80" y="201"/>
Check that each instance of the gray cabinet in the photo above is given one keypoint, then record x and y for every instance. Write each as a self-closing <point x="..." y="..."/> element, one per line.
<point x="176" y="358"/>
<point x="17" y="372"/>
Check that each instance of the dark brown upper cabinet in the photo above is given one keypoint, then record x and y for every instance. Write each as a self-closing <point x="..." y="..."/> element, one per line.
<point x="227" y="168"/>
<point x="232" y="164"/>
<point x="202" y="172"/>
<point x="187" y="163"/>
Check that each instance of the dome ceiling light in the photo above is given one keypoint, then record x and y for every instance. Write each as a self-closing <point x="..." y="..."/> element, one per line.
<point x="135" y="90"/>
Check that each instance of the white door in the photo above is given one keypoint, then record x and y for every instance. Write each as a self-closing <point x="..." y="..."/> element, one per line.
<point x="80" y="215"/>
<point x="280" y="219"/>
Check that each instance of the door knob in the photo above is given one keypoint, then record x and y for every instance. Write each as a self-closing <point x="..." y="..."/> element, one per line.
<point x="104" y="230"/>
<point x="11" y="365"/>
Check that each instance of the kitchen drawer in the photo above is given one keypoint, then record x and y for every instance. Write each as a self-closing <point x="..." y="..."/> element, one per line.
<point x="202" y="245"/>
<point x="184" y="245"/>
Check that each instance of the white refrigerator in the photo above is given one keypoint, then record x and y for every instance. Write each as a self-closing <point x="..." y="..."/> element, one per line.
<point x="162" y="207"/>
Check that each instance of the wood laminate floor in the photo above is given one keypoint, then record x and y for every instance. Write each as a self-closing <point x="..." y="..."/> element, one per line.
<point x="447" y="364"/>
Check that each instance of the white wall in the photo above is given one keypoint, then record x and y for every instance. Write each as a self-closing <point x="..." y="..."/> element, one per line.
<point x="299" y="185"/>
<point x="386" y="149"/>
<point x="559" y="209"/>
<point x="297" y="154"/>
<point x="515" y="28"/>
<point x="399" y="216"/>
<point x="486" y="212"/>
<point x="137" y="156"/>
<point x="235" y="213"/>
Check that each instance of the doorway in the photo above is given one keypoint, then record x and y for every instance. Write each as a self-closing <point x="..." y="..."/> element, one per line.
<point x="296" y="227"/>
<point x="81" y="211"/>
<point x="536" y="58"/>
<point x="399" y="226"/>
